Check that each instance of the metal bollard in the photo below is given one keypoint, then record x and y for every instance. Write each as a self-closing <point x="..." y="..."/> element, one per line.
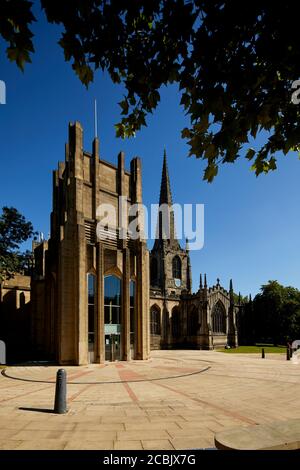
<point x="288" y="353"/>
<point x="263" y="353"/>
<point x="60" y="404"/>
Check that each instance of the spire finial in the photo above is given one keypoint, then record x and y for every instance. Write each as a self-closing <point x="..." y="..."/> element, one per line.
<point x="165" y="187"/>
<point x="205" y="282"/>
<point x="201" y="285"/>
<point x="166" y="233"/>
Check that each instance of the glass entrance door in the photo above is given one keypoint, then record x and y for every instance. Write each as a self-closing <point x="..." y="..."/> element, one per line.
<point x="112" y="317"/>
<point x="112" y="347"/>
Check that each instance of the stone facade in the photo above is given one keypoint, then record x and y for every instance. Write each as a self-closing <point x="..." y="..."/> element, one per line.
<point x="91" y="296"/>
<point x="66" y="325"/>
<point x="178" y="318"/>
<point x="15" y="316"/>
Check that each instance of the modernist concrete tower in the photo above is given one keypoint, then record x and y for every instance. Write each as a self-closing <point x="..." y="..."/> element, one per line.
<point x="90" y="294"/>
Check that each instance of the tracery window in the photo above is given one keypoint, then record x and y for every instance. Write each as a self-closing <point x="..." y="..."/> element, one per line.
<point x="219" y="318"/>
<point x="155" y="321"/>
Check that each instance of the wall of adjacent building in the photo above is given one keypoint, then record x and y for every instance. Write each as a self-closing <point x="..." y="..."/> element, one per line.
<point x="15" y="319"/>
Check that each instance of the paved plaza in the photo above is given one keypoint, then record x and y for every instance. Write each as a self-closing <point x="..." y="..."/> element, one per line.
<point x="176" y="400"/>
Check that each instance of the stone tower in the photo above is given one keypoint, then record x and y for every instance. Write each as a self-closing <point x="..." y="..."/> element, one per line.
<point x="92" y="296"/>
<point x="170" y="270"/>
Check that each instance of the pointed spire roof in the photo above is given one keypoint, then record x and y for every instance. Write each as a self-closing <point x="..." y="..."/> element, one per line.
<point x="166" y="233"/>
<point x="201" y="284"/>
<point x="165" y="187"/>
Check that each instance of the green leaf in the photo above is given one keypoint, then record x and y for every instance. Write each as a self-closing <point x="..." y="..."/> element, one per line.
<point x="250" y="154"/>
<point x="125" y="106"/>
<point x="185" y="100"/>
<point x="210" y="172"/>
<point x="185" y="133"/>
<point x="153" y="98"/>
<point x="272" y="164"/>
<point x="84" y="72"/>
<point x="120" y="130"/>
<point x="210" y="151"/>
<point x="20" y="56"/>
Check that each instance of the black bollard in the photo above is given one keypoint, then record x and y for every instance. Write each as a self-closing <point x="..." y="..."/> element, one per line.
<point x="288" y="353"/>
<point x="263" y="353"/>
<point x="60" y="404"/>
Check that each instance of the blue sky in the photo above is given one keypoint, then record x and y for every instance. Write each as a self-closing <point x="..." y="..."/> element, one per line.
<point x="252" y="225"/>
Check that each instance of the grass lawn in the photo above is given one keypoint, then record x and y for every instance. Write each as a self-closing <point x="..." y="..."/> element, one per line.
<point x="254" y="349"/>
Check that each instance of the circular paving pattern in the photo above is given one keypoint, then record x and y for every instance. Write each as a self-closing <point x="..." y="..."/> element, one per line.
<point x="176" y="400"/>
<point x="96" y="374"/>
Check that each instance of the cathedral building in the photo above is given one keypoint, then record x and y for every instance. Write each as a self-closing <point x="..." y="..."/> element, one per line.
<point x="178" y="318"/>
<point x="96" y="298"/>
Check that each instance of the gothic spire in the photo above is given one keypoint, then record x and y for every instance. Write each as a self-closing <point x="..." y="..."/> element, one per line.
<point x="166" y="234"/>
<point x="201" y="285"/>
<point x="205" y="282"/>
<point x="165" y="187"/>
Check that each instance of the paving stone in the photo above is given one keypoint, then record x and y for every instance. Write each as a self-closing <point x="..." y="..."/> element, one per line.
<point x="136" y="435"/>
<point x="42" y="444"/>
<point x="89" y="445"/>
<point x="128" y="445"/>
<point x="192" y="443"/>
<point x="237" y="391"/>
<point x="157" y="445"/>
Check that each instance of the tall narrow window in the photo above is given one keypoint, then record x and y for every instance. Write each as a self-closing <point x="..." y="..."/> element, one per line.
<point x="155" y="321"/>
<point x="219" y="318"/>
<point x="112" y="300"/>
<point x="176" y="267"/>
<point x="112" y="317"/>
<point x="91" y="310"/>
<point x="132" y="315"/>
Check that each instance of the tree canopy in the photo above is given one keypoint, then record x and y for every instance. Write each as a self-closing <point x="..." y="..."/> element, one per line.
<point x="234" y="63"/>
<point x="273" y="315"/>
<point x="14" y="230"/>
